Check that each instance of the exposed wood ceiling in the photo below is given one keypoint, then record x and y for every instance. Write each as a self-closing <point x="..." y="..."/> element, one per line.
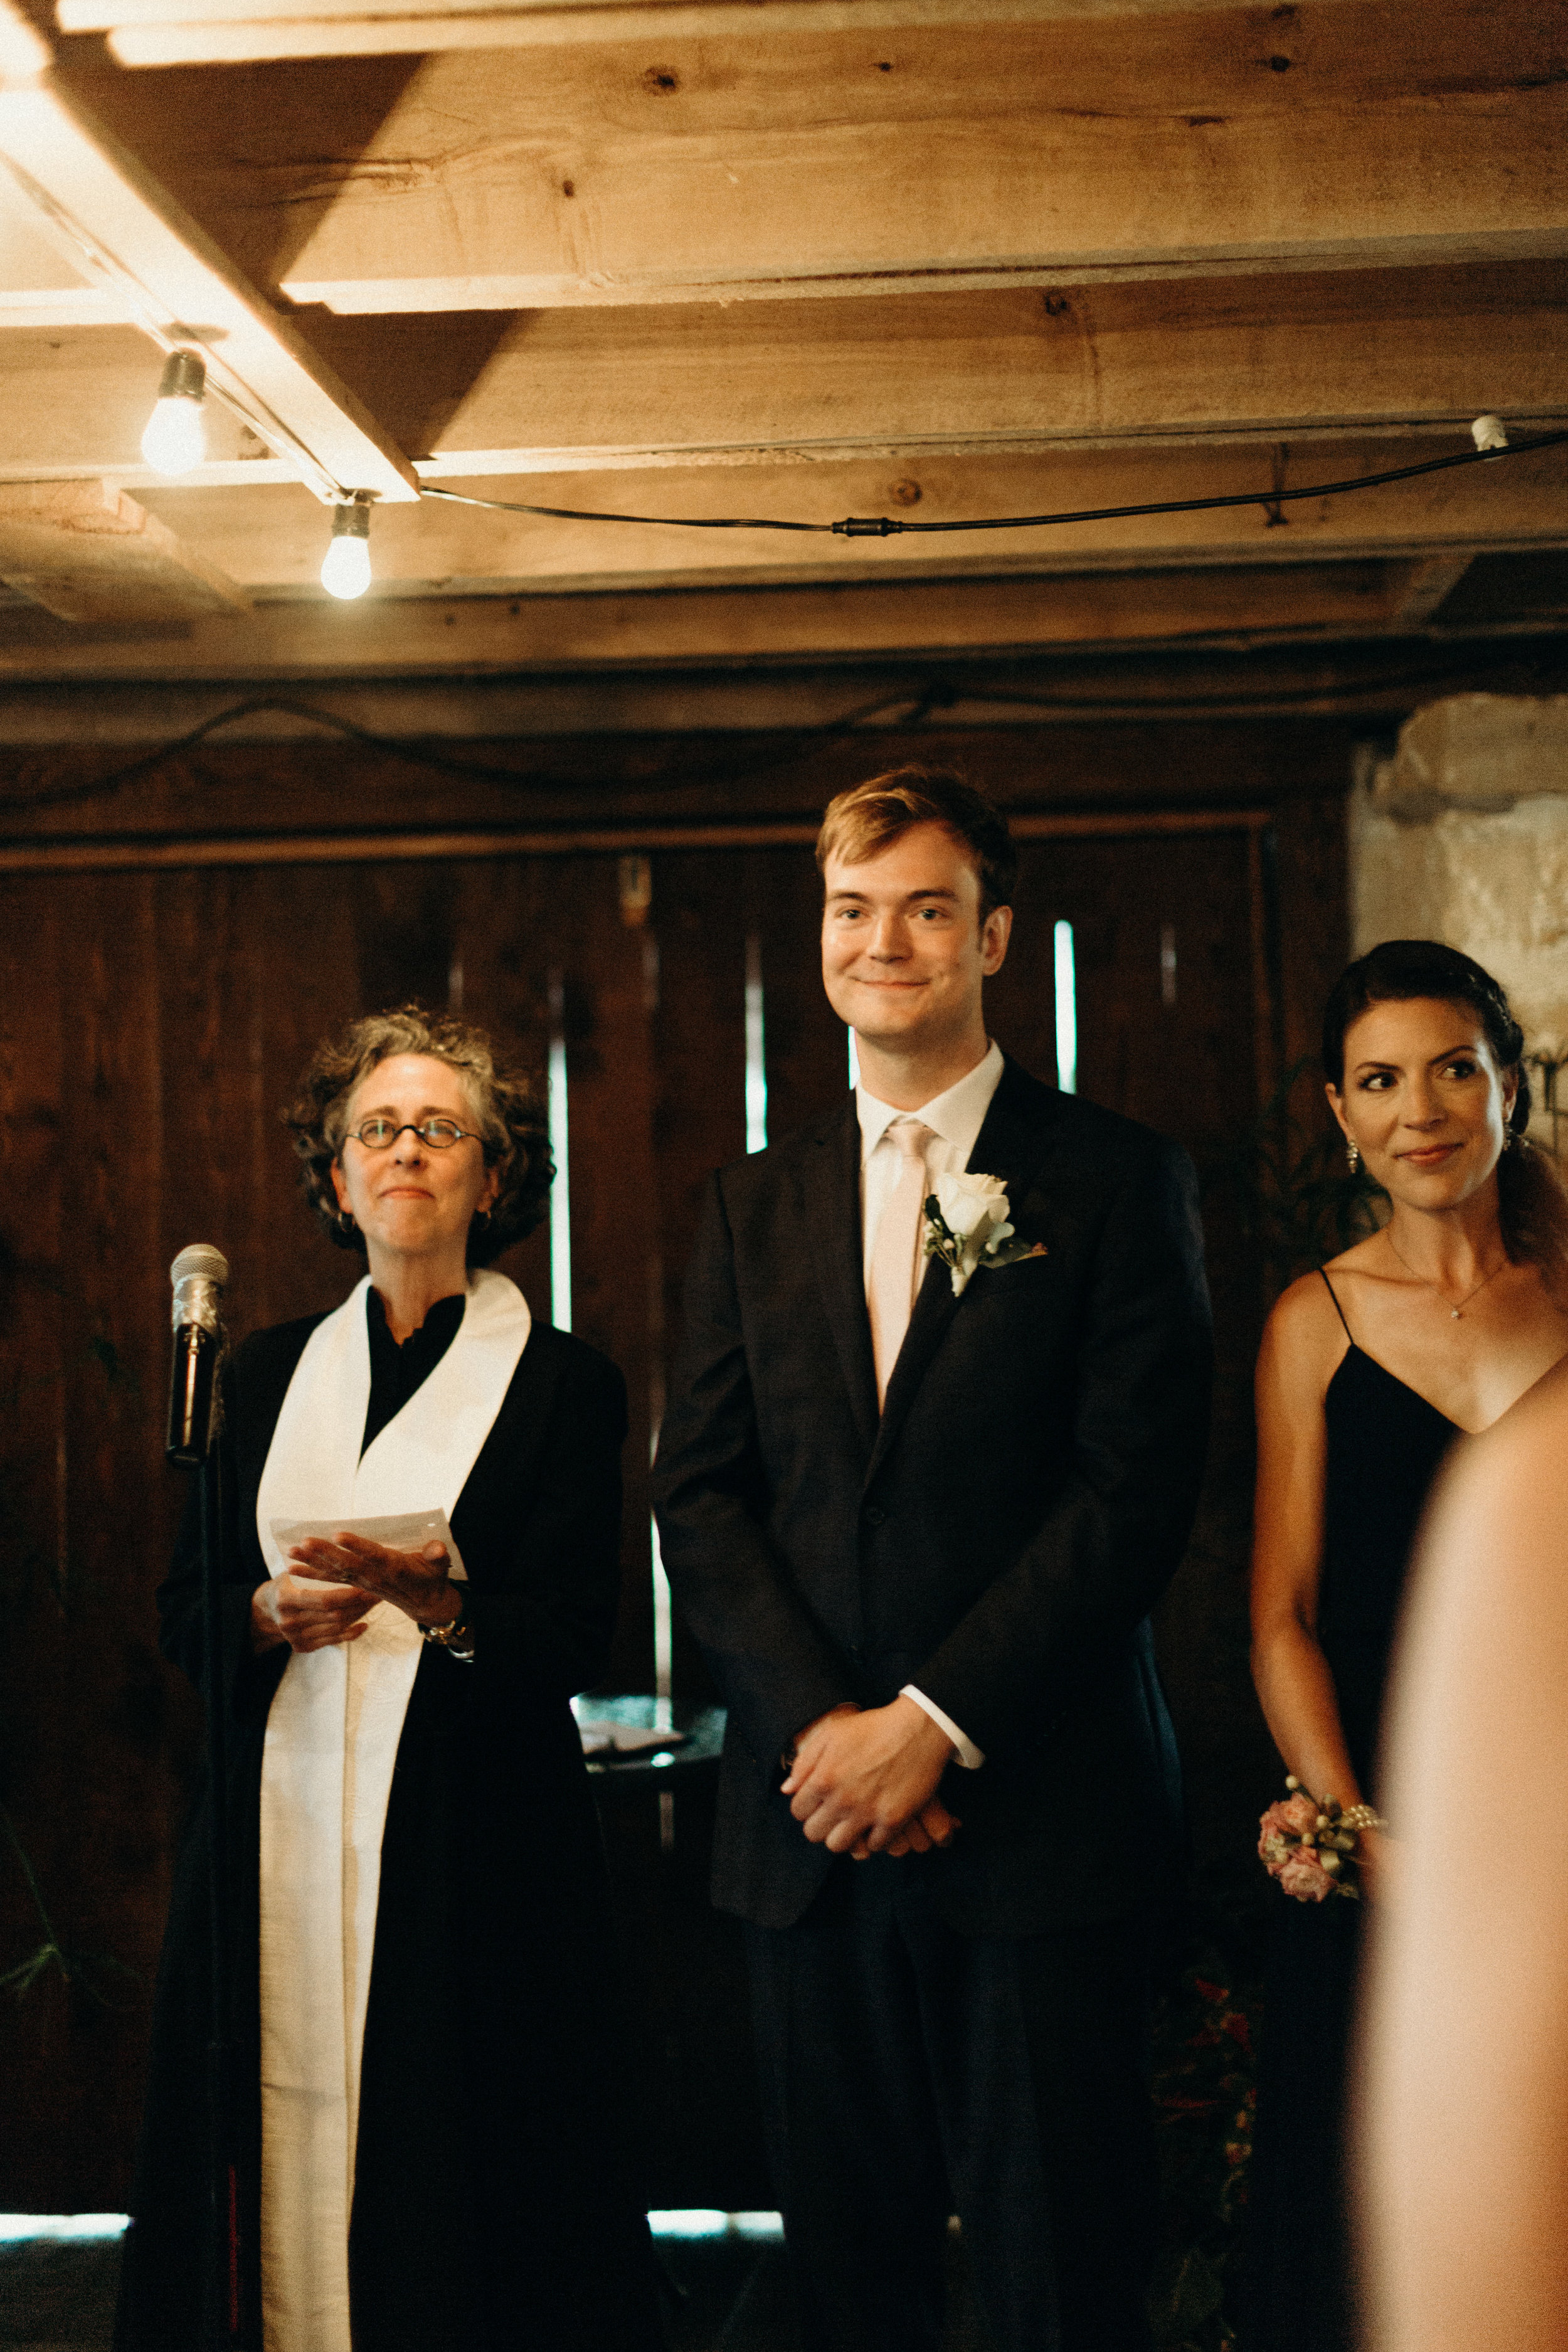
<point x="804" y="258"/>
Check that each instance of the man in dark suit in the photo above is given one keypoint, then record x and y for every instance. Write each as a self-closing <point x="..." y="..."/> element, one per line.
<point x="916" y="1509"/>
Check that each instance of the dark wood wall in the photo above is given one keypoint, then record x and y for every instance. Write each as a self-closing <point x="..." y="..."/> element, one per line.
<point x="155" y="1013"/>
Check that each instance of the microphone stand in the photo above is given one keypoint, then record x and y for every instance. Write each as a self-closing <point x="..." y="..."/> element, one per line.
<point x="220" y="2049"/>
<point x="194" y="1424"/>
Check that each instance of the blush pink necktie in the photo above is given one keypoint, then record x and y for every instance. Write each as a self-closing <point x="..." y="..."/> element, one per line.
<point x="890" y="1285"/>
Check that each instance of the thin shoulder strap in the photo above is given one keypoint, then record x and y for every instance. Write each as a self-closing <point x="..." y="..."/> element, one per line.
<point x="1338" y="1310"/>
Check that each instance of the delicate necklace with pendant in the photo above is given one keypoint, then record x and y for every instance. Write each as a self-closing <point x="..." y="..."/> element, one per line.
<point x="1454" y="1313"/>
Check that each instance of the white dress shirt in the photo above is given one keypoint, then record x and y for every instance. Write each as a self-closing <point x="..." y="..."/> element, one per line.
<point x="956" y="1119"/>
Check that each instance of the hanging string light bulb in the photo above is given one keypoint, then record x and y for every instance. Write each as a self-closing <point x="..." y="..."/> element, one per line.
<point x="176" y="438"/>
<point x="345" y="567"/>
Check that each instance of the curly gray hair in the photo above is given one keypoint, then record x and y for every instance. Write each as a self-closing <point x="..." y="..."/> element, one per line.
<point x="512" y="1124"/>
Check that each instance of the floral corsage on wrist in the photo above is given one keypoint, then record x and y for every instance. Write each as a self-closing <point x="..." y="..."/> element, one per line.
<point x="1311" y="1848"/>
<point x="967" y="1226"/>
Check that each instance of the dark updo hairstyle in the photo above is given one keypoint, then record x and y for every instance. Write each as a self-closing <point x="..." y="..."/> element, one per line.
<point x="1531" y="1203"/>
<point x="510" y="1116"/>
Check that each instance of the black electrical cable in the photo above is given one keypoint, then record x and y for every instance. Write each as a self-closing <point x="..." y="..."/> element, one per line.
<point x="400" y="747"/>
<point x="919" y="703"/>
<point x="584" y="514"/>
<point x="891" y="527"/>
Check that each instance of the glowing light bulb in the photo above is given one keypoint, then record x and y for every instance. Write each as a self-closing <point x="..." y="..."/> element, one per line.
<point x="176" y="438"/>
<point x="345" y="567"/>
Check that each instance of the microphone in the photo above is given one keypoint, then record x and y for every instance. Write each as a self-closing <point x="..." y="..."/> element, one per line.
<point x="198" y="1274"/>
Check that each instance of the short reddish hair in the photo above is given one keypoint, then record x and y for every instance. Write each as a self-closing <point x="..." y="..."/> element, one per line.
<point x="860" y="821"/>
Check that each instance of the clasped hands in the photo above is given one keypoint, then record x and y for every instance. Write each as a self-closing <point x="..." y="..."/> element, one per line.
<point x="863" y="1780"/>
<point x="332" y="1586"/>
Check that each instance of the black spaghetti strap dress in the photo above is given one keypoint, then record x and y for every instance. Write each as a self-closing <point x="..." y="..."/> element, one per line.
<point x="1385" y="1446"/>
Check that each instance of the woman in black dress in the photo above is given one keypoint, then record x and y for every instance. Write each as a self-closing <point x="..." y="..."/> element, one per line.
<point x="1435" y="1325"/>
<point x="426" y="2076"/>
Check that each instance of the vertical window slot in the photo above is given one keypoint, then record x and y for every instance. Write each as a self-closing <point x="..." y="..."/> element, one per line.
<point x="756" y="1055"/>
<point x="560" y="1145"/>
<point x="1167" y="963"/>
<point x="1067" y="1011"/>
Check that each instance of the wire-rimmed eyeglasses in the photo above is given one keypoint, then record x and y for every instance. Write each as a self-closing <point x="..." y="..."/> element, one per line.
<point x="440" y="1134"/>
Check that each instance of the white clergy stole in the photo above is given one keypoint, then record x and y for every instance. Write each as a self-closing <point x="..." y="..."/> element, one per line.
<point x="326" y="1775"/>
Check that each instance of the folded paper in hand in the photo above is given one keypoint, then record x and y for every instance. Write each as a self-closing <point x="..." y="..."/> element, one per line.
<point x="605" y="1738"/>
<point x="403" y="1531"/>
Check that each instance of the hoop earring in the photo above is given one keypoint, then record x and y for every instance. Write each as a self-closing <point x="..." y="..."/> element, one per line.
<point x="345" y="1222"/>
<point x="1352" y="1153"/>
<point x="482" y="1218"/>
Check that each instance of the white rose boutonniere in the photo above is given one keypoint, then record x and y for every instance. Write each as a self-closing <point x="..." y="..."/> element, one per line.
<point x="968" y="1226"/>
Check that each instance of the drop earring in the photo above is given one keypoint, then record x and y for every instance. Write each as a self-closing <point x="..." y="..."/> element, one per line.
<point x="1352" y="1153"/>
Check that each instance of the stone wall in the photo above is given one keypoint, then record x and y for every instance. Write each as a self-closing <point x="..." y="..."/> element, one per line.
<point x="1463" y="835"/>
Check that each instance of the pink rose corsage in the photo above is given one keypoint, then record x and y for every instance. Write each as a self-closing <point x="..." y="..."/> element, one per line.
<point x="1309" y="1846"/>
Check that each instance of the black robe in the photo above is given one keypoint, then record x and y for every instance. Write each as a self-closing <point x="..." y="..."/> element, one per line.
<point x="492" y="2208"/>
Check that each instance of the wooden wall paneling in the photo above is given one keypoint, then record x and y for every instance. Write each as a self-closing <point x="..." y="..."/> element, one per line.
<point x="296" y="788"/>
<point x="34" y="1578"/>
<point x="701" y="920"/>
<point x="611" y="994"/>
<point x="102" y="1725"/>
<point x="1186" y="1067"/>
<point x="214" y="1178"/>
<point x="807" y="1044"/>
<point x="1312" y="881"/>
<point x="297" y="944"/>
<point x="208" y="1011"/>
<point x="405" y="928"/>
<point x="1190" y="1067"/>
<point x="504" y="945"/>
<point x="1021" y="999"/>
<point x="685" y="1965"/>
<point x="150" y="1029"/>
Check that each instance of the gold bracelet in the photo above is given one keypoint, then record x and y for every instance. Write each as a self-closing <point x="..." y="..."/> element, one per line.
<point x="455" y="1636"/>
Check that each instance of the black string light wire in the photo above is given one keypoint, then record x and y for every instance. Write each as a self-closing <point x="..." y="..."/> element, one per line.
<point x="916" y="704"/>
<point x="892" y="527"/>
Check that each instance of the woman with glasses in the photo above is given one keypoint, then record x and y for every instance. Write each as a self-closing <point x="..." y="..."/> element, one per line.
<point x="427" y="2067"/>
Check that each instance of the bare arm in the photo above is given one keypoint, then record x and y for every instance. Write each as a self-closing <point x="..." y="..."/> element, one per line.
<point x="1303" y="1342"/>
<point x="1465" y="2141"/>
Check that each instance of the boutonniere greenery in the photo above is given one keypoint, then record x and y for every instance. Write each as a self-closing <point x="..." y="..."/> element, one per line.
<point x="968" y="1225"/>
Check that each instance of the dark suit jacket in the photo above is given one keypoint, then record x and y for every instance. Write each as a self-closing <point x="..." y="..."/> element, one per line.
<point x="997" y="1538"/>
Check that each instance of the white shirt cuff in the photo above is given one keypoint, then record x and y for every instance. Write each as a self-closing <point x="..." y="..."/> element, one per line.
<point x="969" y="1756"/>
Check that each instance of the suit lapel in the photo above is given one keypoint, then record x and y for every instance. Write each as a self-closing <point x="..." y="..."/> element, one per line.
<point x="1012" y="1141"/>
<point x="833" y="1207"/>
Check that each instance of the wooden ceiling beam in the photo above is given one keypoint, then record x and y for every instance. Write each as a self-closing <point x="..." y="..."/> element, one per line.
<point x="1279" y="357"/>
<point x="162" y="32"/>
<point x="477" y="635"/>
<point x="904" y="377"/>
<point x="95" y="199"/>
<point x="1370" y="133"/>
<point x="86" y="553"/>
